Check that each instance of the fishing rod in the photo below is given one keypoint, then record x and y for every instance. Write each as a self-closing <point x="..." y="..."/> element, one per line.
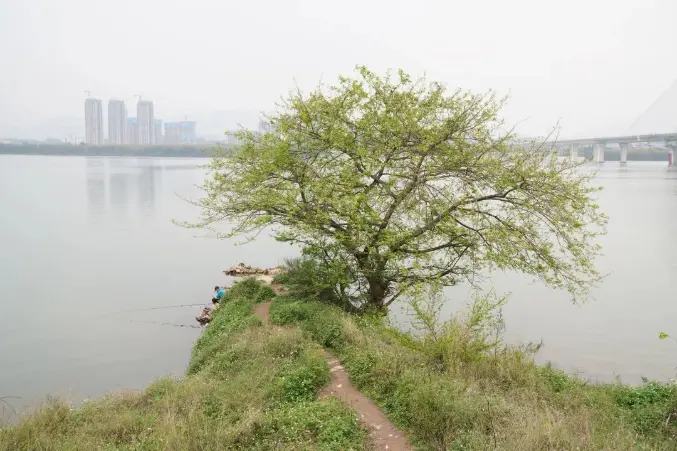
<point x="192" y="326"/>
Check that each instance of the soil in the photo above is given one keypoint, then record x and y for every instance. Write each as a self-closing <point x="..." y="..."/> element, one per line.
<point x="263" y="312"/>
<point x="384" y="435"/>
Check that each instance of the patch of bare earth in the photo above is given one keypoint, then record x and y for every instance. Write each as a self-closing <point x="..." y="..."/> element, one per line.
<point x="263" y="311"/>
<point x="384" y="435"/>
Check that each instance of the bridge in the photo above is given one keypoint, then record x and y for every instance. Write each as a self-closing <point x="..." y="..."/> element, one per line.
<point x="663" y="107"/>
<point x="599" y="144"/>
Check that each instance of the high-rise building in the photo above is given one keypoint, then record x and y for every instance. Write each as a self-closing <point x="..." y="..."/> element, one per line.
<point x="158" y="132"/>
<point x="131" y="131"/>
<point x="232" y="139"/>
<point x="145" y="121"/>
<point x="265" y="127"/>
<point x="117" y="119"/>
<point x="93" y="122"/>
<point x="182" y="132"/>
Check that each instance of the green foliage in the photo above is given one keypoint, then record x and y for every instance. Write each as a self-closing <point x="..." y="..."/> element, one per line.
<point x="233" y="316"/>
<point x="388" y="182"/>
<point x="325" y="425"/>
<point x="557" y="380"/>
<point x="264" y="294"/>
<point x="652" y="407"/>
<point x="650" y="393"/>
<point x="248" y="388"/>
<point x="291" y="311"/>
<point x="246" y="288"/>
<point x="323" y="325"/>
<point x="253" y="388"/>
<point x="487" y="395"/>
<point x="309" y="279"/>
<point x="460" y="339"/>
<point x="300" y="380"/>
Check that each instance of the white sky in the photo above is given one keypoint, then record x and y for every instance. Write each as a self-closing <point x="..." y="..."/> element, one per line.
<point x="593" y="65"/>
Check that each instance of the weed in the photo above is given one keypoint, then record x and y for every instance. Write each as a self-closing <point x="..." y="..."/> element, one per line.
<point x="465" y="389"/>
<point x="300" y="379"/>
<point x="248" y="387"/>
<point x="326" y="425"/>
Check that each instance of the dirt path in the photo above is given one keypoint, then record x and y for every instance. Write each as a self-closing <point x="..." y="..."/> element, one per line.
<point x="263" y="311"/>
<point x="384" y="435"/>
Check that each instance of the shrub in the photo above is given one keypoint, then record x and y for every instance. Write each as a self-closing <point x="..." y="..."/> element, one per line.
<point x="326" y="425"/>
<point x="301" y="379"/>
<point x="311" y="279"/>
<point x="264" y="294"/>
<point x="248" y="387"/>
<point x="652" y="407"/>
<point x="323" y="324"/>
<point x="293" y="312"/>
<point x="246" y="288"/>
<point x="464" y="338"/>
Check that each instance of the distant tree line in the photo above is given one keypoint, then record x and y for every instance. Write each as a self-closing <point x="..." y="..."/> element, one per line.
<point x="194" y="151"/>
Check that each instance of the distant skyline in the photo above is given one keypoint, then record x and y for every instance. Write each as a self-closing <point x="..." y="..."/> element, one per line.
<point x="94" y="121"/>
<point x="117" y="120"/>
<point x="593" y="66"/>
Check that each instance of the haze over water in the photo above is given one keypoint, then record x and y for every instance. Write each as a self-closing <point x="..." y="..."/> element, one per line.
<point x="85" y="240"/>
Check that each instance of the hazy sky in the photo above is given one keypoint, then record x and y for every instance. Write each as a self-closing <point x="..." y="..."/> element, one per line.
<point x="594" y="65"/>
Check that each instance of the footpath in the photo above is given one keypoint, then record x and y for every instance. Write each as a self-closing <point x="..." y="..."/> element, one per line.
<point x="384" y="435"/>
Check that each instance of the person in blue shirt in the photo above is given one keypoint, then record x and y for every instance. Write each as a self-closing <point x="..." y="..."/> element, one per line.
<point x="206" y="314"/>
<point x="218" y="294"/>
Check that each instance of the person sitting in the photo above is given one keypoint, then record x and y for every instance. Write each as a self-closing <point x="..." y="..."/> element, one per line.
<point x="218" y="294"/>
<point x="206" y="313"/>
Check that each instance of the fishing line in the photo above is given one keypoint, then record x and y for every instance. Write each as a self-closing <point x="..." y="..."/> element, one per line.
<point x="192" y="326"/>
<point x="158" y="308"/>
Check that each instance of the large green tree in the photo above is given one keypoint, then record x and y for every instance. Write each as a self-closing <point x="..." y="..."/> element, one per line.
<point x="393" y="182"/>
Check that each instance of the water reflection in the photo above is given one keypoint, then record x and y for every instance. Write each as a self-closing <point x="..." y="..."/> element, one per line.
<point x="118" y="191"/>
<point x="96" y="185"/>
<point x="146" y="186"/>
<point x="127" y="182"/>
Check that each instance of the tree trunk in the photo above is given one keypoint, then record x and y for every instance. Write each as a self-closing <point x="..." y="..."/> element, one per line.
<point x="377" y="292"/>
<point x="371" y="267"/>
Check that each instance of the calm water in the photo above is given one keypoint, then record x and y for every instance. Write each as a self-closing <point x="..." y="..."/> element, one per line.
<point x="84" y="240"/>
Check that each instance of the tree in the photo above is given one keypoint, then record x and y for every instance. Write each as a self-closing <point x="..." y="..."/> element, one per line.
<point x="392" y="182"/>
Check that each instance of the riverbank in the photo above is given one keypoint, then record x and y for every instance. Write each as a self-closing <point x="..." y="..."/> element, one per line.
<point x="249" y="386"/>
<point x="158" y="151"/>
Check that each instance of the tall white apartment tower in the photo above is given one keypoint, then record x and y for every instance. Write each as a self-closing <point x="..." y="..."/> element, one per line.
<point x="117" y="120"/>
<point x="145" y="122"/>
<point x="93" y="122"/>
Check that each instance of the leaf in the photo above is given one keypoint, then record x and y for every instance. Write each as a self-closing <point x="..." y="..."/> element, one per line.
<point x="663" y="336"/>
<point x="400" y="183"/>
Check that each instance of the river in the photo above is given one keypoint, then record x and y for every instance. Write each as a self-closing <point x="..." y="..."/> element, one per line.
<point x="85" y="240"/>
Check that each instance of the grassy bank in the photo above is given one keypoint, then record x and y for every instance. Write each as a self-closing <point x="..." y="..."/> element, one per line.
<point x="254" y="387"/>
<point x="458" y="392"/>
<point x="248" y="387"/>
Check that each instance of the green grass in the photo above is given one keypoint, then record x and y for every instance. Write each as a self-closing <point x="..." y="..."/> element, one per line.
<point x="248" y="387"/>
<point x="450" y="394"/>
<point x="253" y="387"/>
